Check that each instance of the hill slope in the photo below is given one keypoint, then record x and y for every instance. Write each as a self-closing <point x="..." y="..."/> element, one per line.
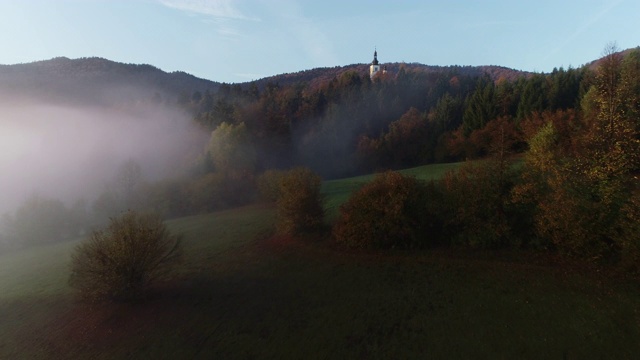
<point x="96" y="81"/>
<point x="313" y="77"/>
<point x="100" y="81"/>
<point x="105" y="82"/>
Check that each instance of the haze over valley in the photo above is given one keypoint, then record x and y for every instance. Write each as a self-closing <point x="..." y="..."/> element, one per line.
<point x="67" y="152"/>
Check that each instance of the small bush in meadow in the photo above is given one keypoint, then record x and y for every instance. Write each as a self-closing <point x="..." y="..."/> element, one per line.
<point x="122" y="260"/>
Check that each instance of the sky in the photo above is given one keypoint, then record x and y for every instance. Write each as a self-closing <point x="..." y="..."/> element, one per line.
<point x="243" y="40"/>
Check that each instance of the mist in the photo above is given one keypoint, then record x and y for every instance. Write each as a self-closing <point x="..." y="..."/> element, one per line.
<point x="68" y="153"/>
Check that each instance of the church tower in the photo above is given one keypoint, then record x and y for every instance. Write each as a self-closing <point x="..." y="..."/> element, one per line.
<point x="375" y="66"/>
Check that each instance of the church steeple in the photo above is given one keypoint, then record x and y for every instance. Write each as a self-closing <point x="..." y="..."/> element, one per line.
<point x="375" y="66"/>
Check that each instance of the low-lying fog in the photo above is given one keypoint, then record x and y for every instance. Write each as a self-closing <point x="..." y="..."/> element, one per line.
<point x="68" y="153"/>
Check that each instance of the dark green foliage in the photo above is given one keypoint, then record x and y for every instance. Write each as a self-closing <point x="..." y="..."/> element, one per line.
<point x="123" y="260"/>
<point x="447" y="114"/>
<point x="404" y="145"/>
<point x="534" y="96"/>
<point x="508" y="97"/>
<point x="390" y="211"/>
<point x="299" y="204"/>
<point x="565" y="88"/>
<point x="481" y="107"/>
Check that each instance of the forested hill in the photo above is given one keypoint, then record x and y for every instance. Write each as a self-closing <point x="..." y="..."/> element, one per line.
<point x="341" y="122"/>
<point x="337" y="121"/>
<point x="316" y="77"/>
<point x="105" y="82"/>
<point x="96" y="81"/>
<point x="593" y="65"/>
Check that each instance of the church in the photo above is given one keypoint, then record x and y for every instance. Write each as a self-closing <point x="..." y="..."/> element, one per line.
<point x="374" y="68"/>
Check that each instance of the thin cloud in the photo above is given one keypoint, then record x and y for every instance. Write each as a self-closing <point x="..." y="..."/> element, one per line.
<point x="309" y="36"/>
<point x="222" y="13"/>
<point x="223" y="9"/>
<point x="588" y="24"/>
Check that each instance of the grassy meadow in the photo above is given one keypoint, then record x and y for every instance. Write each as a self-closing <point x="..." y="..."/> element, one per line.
<point x="243" y="293"/>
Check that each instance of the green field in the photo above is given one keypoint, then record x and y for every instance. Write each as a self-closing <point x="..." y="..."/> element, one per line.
<point x="243" y="293"/>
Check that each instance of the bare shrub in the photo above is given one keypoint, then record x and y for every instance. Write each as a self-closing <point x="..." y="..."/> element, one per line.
<point x="122" y="260"/>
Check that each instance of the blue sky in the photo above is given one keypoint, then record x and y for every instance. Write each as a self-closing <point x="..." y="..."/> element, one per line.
<point x="242" y="40"/>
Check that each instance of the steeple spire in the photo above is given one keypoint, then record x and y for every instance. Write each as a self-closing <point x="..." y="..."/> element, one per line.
<point x="374" y="67"/>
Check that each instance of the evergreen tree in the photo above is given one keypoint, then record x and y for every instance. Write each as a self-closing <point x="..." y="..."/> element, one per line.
<point x="480" y="106"/>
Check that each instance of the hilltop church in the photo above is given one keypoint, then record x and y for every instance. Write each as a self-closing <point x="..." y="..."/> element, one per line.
<point x="374" y="68"/>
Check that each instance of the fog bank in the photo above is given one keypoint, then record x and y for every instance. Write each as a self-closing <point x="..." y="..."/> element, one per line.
<point x="71" y="152"/>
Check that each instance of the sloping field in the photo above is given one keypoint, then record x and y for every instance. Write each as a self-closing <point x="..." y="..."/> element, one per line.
<point x="243" y="293"/>
<point x="338" y="191"/>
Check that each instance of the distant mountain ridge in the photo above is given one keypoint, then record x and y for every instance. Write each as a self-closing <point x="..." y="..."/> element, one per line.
<point x="96" y="81"/>
<point x="99" y="81"/>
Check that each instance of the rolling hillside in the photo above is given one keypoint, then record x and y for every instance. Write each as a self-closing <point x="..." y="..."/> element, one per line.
<point x="315" y="77"/>
<point x="100" y="81"/>
<point x="96" y="81"/>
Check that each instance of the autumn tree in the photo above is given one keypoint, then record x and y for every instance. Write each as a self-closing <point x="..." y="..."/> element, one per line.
<point x="231" y="150"/>
<point x="542" y="190"/>
<point x="390" y="211"/>
<point x="405" y="143"/>
<point x="300" y="204"/>
<point x="476" y="204"/>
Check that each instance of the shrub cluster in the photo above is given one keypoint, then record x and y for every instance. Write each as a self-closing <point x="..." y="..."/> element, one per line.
<point x="475" y="205"/>
<point x="390" y="211"/>
<point x="121" y="261"/>
<point x="469" y="207"/>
